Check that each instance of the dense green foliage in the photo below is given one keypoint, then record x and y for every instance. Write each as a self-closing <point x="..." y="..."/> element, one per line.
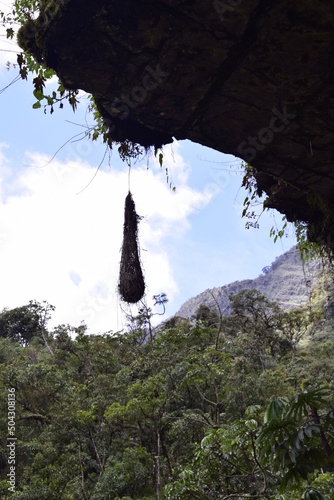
<point x="221" y="407"/>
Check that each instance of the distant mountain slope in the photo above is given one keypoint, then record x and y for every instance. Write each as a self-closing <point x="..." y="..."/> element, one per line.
<point x="285" y="281"/>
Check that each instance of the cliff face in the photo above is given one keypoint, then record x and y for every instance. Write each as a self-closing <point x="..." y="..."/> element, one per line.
<point x="253" y="78"/>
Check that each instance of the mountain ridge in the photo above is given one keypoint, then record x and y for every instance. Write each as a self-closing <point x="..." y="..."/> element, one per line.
<point x="288" y="281"/>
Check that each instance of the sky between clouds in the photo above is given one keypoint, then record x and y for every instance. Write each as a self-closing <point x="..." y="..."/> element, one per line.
<point x="64" y="247"/>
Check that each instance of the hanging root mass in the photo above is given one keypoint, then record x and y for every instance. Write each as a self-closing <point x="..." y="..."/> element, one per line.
<point x="131" y="280"/>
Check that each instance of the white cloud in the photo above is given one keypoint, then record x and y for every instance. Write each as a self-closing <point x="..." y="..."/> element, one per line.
<point x="64" y="247"/>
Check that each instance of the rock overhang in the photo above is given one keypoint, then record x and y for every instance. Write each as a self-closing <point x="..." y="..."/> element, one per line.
<point x="252" y="78"/>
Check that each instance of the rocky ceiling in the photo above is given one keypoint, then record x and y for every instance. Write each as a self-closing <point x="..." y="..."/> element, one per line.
<point x="253" y="78"/>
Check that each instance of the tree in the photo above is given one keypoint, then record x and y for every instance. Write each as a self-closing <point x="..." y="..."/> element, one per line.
<point x="25" y="322"/>
<point x="294" y="325"/>
<point x="258" y="320"/>
<point x="207" y="315"/>
<point x="142" y="321"/>
<point x="225" y="464"/>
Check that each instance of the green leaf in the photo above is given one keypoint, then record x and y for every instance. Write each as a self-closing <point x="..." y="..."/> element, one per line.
<point x="313" y="495"/>
<point x="274" y="410"/>
<point x="311" y="428"/>
<point x="36" y="105"/>
<point x="49" y="73"/>
<point x="38" y="94"/>
<point x="251" y="424"/>
<point x="292" y="455"/>
<point x="297" y="443"/>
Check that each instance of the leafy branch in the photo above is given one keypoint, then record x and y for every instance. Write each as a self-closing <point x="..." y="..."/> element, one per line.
<point x="308" y="249"/>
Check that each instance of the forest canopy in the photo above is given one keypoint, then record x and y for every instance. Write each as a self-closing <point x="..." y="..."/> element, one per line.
<point x="217" y="407"/>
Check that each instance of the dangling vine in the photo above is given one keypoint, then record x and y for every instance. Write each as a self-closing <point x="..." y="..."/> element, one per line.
<point x="308" y="249"/>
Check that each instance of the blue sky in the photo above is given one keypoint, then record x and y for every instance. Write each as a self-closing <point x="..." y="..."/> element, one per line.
<point x="64" y="247"/>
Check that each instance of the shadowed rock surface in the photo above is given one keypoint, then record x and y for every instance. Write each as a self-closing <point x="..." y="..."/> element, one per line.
<point x="253" y="78"/>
